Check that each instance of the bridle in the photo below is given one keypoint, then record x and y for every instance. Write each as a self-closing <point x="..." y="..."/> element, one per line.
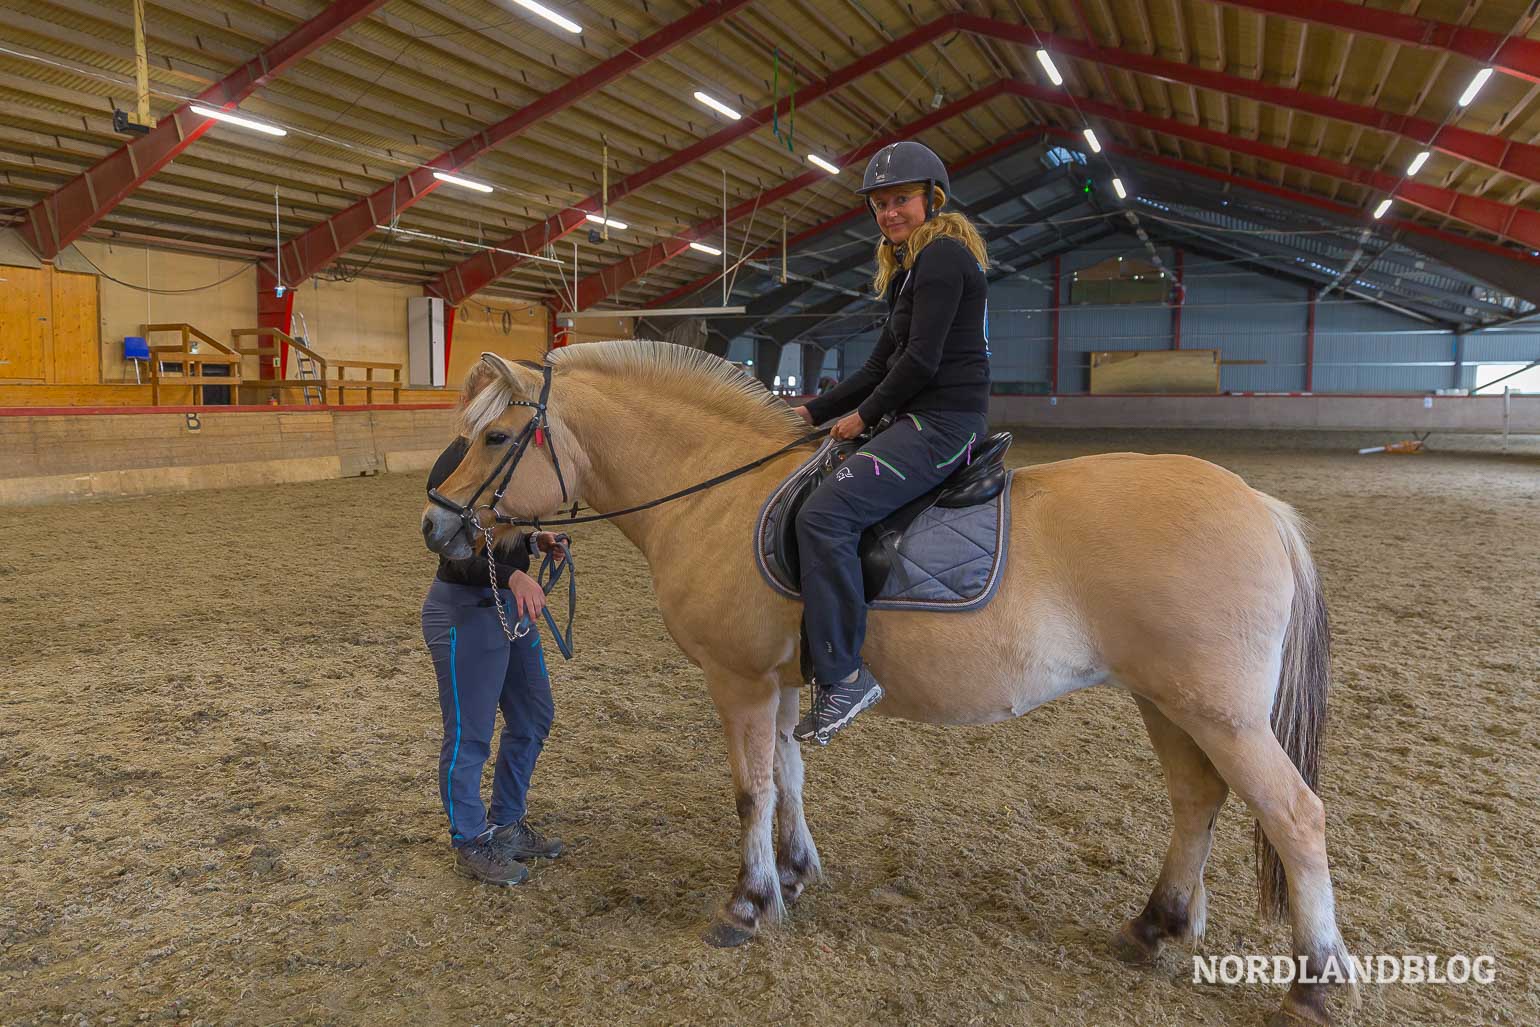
<point x="537" y="430"/>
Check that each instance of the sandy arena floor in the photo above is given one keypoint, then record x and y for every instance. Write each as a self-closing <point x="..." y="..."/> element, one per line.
<point x="219" y="730"/>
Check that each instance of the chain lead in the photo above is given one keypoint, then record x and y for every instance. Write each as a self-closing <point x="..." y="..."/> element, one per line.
<point x="513" y="634"/>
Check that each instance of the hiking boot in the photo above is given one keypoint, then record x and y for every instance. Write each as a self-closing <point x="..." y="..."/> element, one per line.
<point x="480" y="861"/>
<point x="836" y="705"/>
<point x="519" y="841"/>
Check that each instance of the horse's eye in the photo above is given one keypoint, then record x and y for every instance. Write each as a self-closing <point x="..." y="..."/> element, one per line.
<point x="496" y="438"/>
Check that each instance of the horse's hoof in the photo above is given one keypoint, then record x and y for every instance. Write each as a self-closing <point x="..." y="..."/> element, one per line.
<point x="726" y="936"/>
<point x="1130" y="948"/>
<point x="791" y="893"/>
<point x="1292" y="1014"/>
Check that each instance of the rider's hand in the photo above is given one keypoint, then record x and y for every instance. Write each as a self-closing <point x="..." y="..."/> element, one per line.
<point x="528" y="596"/>
<point x="549" y="542"/>
<point x="806" y="414"/>
<point x="849" y="426"/>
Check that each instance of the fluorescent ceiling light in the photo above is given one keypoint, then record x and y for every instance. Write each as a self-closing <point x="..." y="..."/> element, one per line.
<point x="703" y="248"/>
<point x="599" y="219"/>
<point x="236" y="119"/>
<point x="1090" y="137"/>
<point x="480" y="187"/>
<point x="818" y="161"/>
<point x="716" y="105"/>
<point x="1379" y="211"/>
<point x="1418" y="161"/>
<point x="549" y="15"/>
<point x="1117" y="187"/>
<point x="467" y="244"/>
<point x="1046" y="60"/>
<point x="1475" y="86"/>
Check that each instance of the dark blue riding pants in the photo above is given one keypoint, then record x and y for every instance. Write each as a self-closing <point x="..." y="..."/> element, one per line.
<point x="480" y="671"/>
<point x="907" y="460"/>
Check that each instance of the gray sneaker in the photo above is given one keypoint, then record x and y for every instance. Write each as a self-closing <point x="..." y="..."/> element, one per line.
<point x="520" y="841"/>
<point x="480" y="861"/>
<point x="836" y="705"/>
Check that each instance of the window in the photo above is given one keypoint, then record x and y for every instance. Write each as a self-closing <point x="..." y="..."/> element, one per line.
<point x="1527" y="380"/>
<point x="1059" y="156"/>
<point x="1116" y="280"/>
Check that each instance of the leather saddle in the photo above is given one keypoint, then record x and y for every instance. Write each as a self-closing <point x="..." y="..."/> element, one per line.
<point x="971" y="484"/>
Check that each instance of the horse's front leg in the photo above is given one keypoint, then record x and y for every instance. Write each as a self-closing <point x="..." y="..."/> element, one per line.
<point x="796" y="857"/>
<point x="747" y="707"/>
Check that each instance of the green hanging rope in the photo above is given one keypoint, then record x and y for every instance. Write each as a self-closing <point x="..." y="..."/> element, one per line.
<point x="791" y="98"/>
<point x="775" y="93"/>
<point x="791" y="109"/>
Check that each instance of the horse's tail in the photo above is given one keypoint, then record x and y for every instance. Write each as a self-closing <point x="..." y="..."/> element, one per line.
<point x="1299" y="709"/>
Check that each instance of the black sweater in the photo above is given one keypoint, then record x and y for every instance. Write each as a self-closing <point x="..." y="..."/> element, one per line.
<point x="932" y="354"/>
<point x="511" y="554"/>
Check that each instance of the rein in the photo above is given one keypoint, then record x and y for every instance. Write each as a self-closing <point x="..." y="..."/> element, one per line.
<point x="726" y="476"/>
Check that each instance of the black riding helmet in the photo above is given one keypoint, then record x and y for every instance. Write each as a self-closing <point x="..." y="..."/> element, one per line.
<point x="903" y="164"/>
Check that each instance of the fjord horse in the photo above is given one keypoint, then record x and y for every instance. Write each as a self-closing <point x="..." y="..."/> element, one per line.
<point x="1163" y="576"/>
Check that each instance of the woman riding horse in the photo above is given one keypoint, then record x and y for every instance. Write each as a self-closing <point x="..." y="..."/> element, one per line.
<point x="930" y="375"/>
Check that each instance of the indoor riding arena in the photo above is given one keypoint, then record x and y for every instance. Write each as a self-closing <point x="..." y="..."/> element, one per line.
<point x="258" y="257"/>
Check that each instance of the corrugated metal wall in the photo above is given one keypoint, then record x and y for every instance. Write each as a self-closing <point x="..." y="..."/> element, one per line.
<point x="1518" y="346"/>
<point x="1246" y="317"/>
<point x="1084" y="329"/>
<point x="1359" y="347"/>
<point x="1362" y="348"/>
<point x="1021" y="330"/>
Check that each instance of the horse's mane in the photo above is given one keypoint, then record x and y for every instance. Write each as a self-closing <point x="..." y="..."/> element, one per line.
<point x="692" y="377"/>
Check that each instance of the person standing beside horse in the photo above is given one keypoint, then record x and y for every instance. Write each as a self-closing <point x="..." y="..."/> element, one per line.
<point x="930" y="374"/>
<point x="480" y="670"/>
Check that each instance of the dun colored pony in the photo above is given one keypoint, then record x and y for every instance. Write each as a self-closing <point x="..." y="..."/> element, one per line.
<point x="1163" y="576"/>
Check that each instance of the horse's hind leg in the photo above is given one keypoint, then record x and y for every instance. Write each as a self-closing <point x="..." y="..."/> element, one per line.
<point x="748" y="712"/>
<point x="796" y="857"/>
<point x="1178" y="906"/>
<point x="1294" y="821"/>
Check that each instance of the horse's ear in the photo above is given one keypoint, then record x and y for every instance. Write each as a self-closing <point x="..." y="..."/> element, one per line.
<point x="522" y="375"/>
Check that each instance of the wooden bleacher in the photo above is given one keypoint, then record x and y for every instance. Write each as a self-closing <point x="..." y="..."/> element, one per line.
<point x="190" y="360"/>
<point x="269" y="348"/>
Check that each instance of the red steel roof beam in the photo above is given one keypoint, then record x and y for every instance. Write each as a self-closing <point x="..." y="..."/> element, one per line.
<point x="1516" y="223"/>
<point x="1515" y="55"/>
<point x="1285" y="193"/>
<point x="611" y="279"/>
<point x="482" y="269"/>
<point x="958" y="167"/>
<point x="1521" y="160"/>
<point x="319" y="246"/>
<point x="67" y="213"/>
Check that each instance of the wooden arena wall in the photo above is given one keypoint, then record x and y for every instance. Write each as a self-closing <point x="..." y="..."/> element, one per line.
<point x="56" y="456"/>
<point x="1246" y="411"/>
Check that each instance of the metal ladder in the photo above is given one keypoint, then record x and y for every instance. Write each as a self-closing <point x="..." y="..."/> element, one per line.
<point x="307" y="371"/>
<point x="307" y="367"/>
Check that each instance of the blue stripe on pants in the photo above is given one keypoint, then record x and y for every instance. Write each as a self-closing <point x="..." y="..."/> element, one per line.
<point x="454" y="687"/>
<point x="479" y="672"/>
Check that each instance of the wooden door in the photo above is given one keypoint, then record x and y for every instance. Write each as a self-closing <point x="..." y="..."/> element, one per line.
<point x="77" y="330"/>
<point x="24" y="326"/>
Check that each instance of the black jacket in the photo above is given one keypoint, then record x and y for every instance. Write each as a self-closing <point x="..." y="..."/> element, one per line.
<point x="511" y="554"/>
<point x="933" y="353"/>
